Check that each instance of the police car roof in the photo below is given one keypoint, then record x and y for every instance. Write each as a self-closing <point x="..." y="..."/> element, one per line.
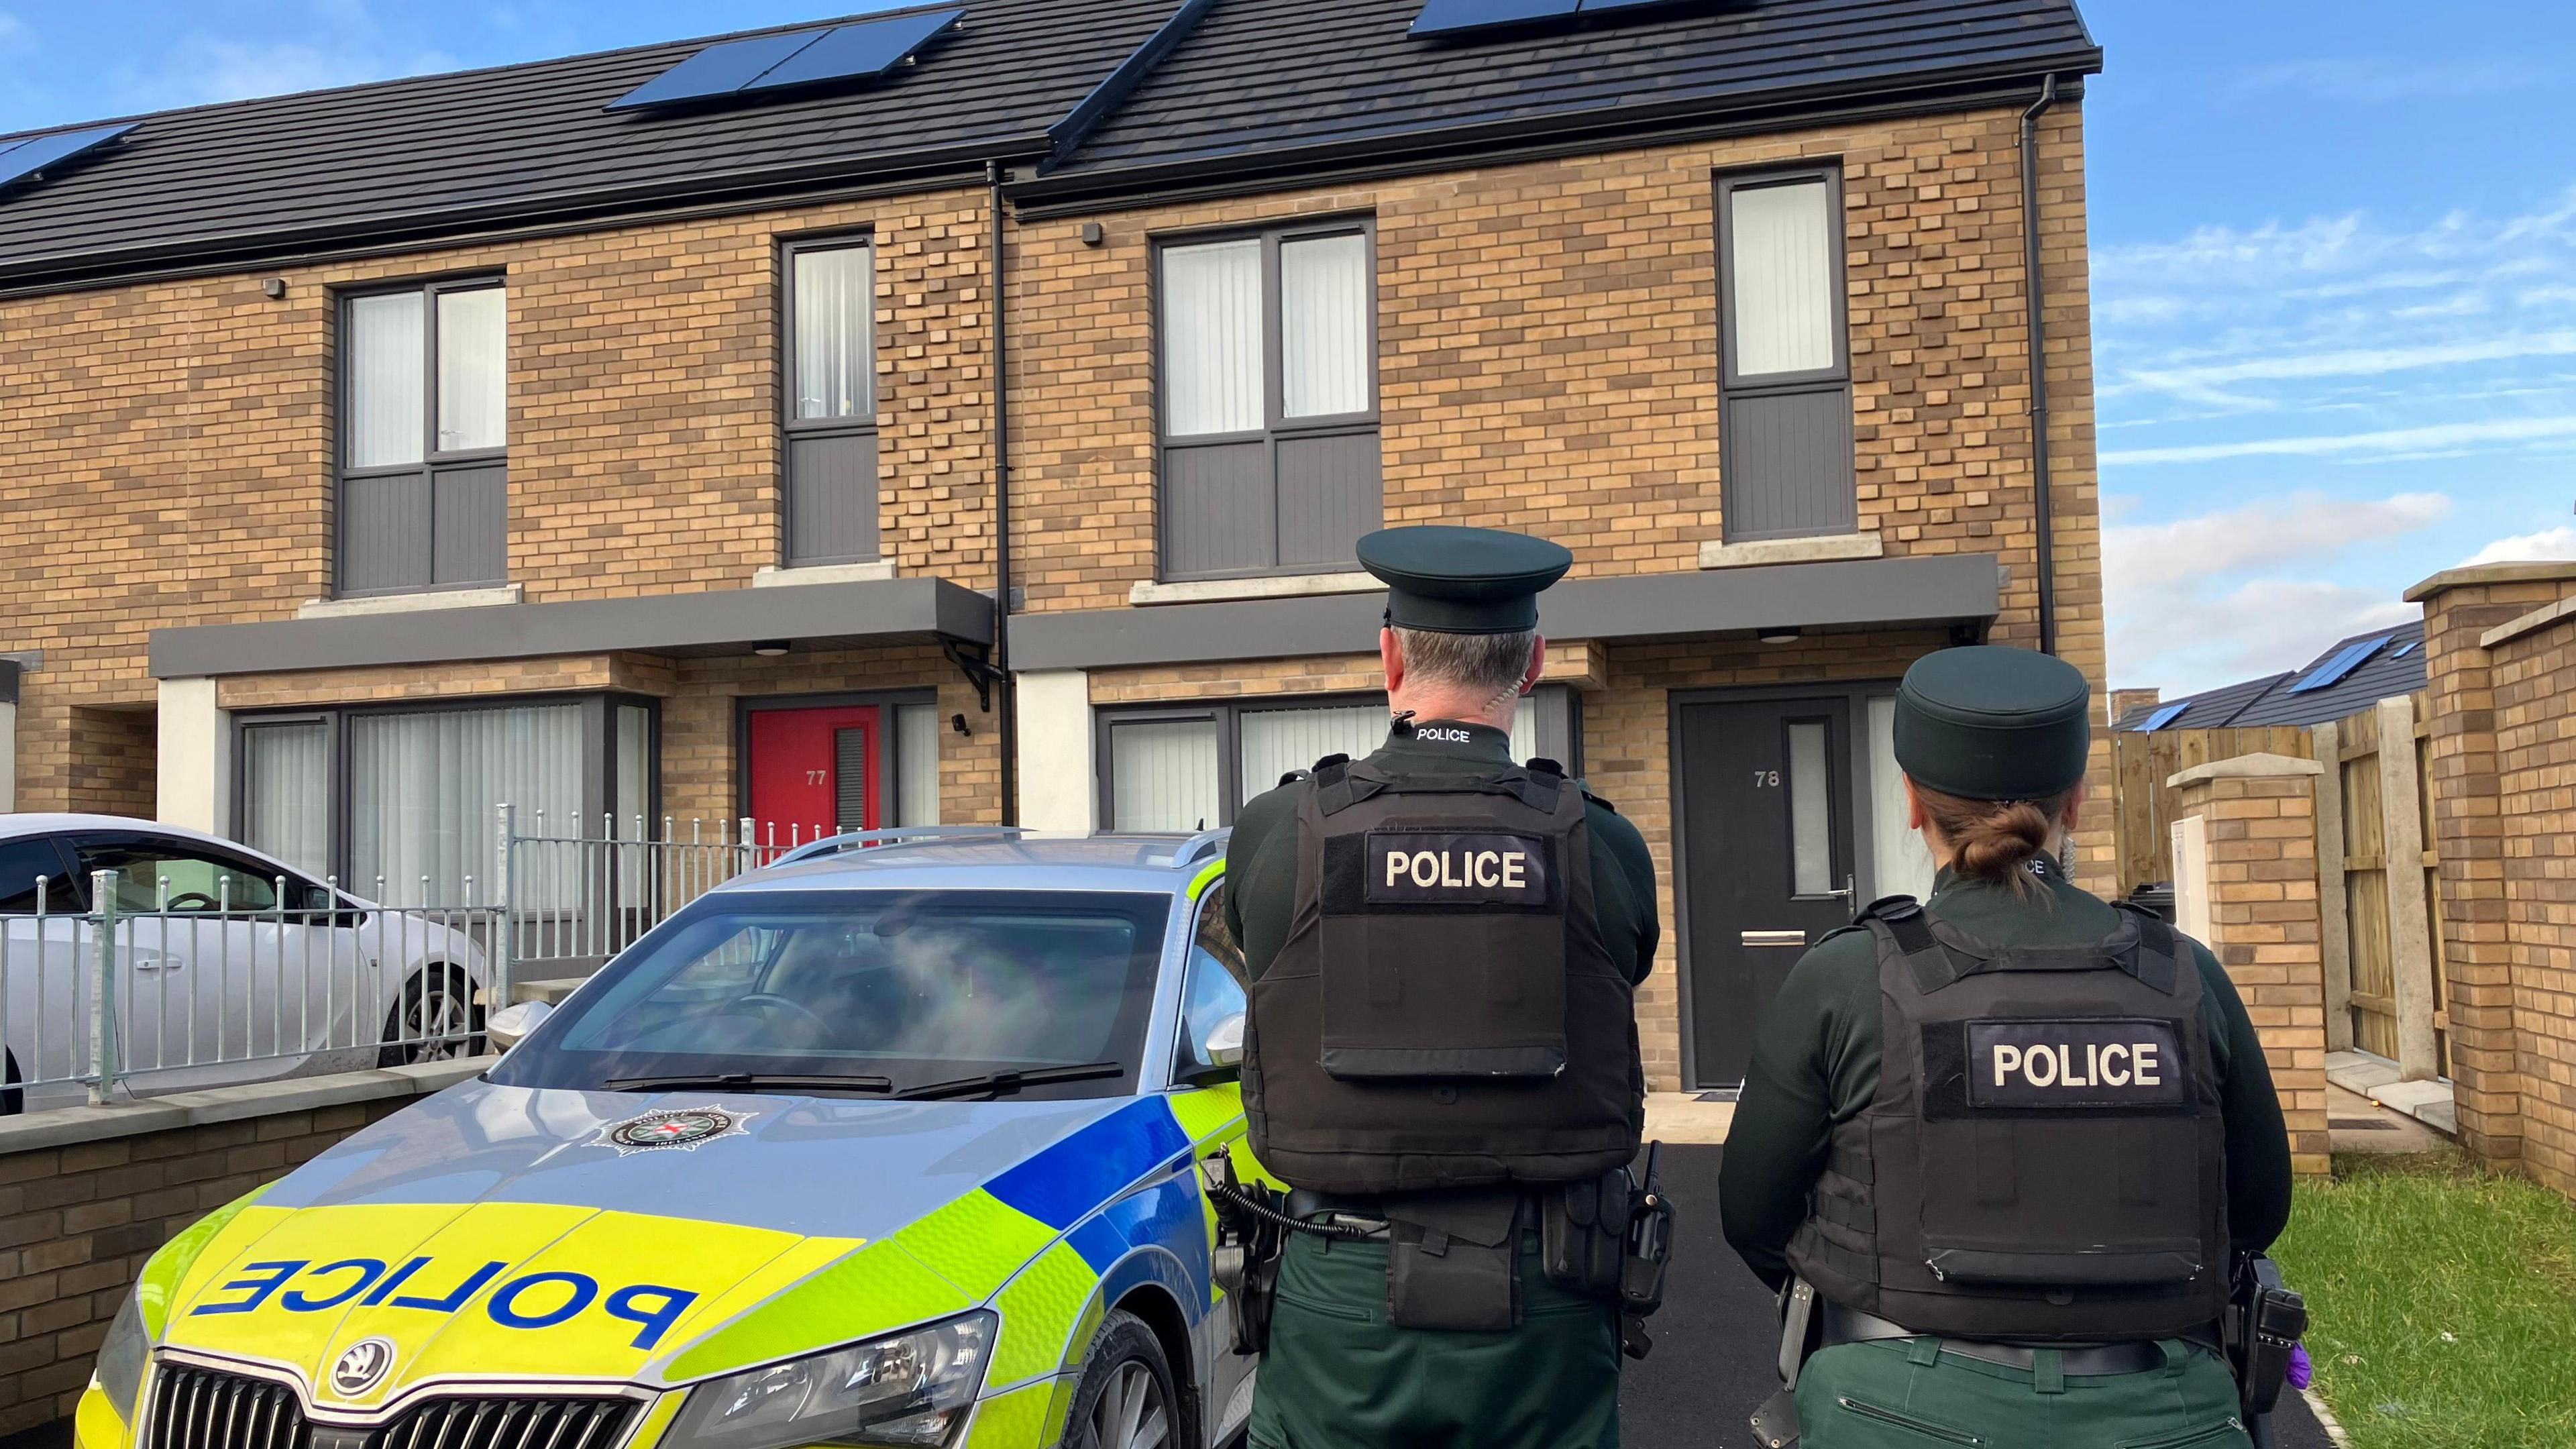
<point x="1002" y="860"/>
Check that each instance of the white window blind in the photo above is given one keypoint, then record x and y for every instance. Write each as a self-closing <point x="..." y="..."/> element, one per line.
<point x="386" y="389"/>
<point x="286" y="793"/>
<point x="473" y="370"/>
<point x="1324" y="326"/>
<point x="1164" y="775"/>
<point x="424" y="792"/>
<point x="1211" y="329"/>
<point x="916" y="764"/>
<point x="1276" y="741"/>
<point x="1903" y="865"/>
<point x="1781" y="281"/>
<point x="835" y="348"/>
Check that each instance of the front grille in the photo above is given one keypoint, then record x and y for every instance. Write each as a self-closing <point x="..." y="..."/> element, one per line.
<point x="200" y="1408"/>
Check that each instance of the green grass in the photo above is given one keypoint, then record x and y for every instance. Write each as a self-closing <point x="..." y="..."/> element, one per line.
<point x="2441" y="1302"/>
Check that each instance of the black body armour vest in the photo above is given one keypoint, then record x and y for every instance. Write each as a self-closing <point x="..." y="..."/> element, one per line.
<point x="2044" y="1160"/>
<point x="1444" y="1012"/>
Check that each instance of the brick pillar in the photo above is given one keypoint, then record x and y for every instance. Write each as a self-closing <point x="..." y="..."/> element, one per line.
<point x="2252" y="821"/>
<point x="2469" y="831"/>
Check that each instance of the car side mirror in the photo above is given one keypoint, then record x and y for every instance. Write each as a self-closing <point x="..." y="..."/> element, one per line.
<point x="514" y="1023"/>
<point x="1223" y="1044"/>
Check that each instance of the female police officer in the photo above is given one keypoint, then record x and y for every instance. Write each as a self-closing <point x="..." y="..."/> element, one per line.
<point x="2010" y="1137"/>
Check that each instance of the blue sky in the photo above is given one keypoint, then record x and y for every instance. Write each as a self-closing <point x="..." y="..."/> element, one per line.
<point x="2334" y="268"/>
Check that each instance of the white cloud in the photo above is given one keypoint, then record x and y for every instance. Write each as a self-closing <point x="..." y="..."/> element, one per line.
<point x="2432" y="440"/>
<point x="15" y="37"/>
<point x="2549" y="543"/>
<point x="200" y="68"/>
<point x="2306" y="526"/>
<point x="2204" y="381"/>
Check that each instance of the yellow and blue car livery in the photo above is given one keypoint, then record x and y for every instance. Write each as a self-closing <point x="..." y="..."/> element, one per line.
<point x="505" y="1267"/>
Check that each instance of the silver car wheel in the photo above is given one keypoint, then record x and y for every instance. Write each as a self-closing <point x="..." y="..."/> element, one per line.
<point x="1130" y="1413"/>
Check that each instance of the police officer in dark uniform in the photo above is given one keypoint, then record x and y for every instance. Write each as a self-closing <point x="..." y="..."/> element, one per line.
<point x="1442" y="1050"/>
<point x="2013" y="1139"/>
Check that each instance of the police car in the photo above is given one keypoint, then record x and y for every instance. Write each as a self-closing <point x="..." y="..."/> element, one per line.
<point x="882" y="1146"/>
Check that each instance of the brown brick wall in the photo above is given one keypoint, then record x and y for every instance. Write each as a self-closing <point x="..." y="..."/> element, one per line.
<point x="113" y="752"/>
<point x="1548" y="361"/>
<point x="77" y="1224"/>
<point x="170" y="443"/>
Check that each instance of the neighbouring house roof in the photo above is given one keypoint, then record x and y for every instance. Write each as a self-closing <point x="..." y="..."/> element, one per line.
<point x="2391" y="662"/>
<point x="1093" y="98"/>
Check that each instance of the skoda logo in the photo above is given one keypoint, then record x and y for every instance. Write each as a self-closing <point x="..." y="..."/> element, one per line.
<point x="361" y="1366"/>
<point x="683" y="1129"/>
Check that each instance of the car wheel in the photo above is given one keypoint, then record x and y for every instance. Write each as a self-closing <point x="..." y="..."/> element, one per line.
<point x="1124" y="1399"/>
<point x="437" y="1021"/>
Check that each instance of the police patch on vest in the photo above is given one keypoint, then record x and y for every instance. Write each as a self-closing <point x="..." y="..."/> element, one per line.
<point x="1446" y="868"/>
<point x="2027" y="1063"/>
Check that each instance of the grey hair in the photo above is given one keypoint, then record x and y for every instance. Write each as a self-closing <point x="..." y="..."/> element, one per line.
<point x="1487" y="665"/>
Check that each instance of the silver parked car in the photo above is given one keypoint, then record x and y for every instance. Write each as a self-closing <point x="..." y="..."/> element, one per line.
<point x="230" y="966"/>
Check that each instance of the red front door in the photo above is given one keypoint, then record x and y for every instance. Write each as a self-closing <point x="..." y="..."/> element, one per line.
<point x="813" y="772"/>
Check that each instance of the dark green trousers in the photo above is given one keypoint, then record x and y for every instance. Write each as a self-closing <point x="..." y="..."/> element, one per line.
<point x="1907" y="1394"/>
<point x="1339" y="1376"/>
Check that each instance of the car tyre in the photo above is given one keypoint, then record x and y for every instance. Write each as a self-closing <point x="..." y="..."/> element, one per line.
<point x="437" y="1002"/>
<point x="1124" y="1399"/>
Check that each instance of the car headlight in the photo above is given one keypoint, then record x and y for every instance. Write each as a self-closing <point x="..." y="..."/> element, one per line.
<point x="121" y="1358"/>
<point x="911" y="1388"/>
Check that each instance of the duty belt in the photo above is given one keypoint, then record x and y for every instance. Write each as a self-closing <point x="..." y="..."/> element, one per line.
<point x="1850" y="1325"/>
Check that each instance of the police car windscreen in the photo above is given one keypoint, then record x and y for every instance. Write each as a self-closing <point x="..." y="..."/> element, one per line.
<point x="909" y="987"/>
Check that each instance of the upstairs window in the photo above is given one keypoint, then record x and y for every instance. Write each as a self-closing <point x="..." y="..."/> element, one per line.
<point x="1268" y="362"/>
<point x="1785" y="436"/>
<point x="424" y="477"/>
<point x="831" y="422"/>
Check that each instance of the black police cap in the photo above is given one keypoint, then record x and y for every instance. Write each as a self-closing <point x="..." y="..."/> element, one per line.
<point x="1991" y="723"/>
<point x="1462" y="580"/>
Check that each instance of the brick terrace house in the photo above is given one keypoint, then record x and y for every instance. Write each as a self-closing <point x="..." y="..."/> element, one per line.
<point x="379" y="454"/>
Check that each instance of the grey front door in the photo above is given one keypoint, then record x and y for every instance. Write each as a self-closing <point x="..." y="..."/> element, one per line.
<point x="1766" y="818"/>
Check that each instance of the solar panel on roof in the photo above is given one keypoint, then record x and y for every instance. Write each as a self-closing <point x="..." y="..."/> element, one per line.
<point x="2345" y="661"/>
<point x="22" y="159"/>
<point x="858" y="51"/>
<point x="1443" y="16"/>
<point x="2409" y="647"/>
<point x="2163" y="717"/>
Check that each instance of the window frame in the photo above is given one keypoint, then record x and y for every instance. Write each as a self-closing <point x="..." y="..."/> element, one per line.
<point x="1735" y="387"/>
<point x="793" y="429"/>
<point x="598" y="774"/>
<point x="1227" y="716"/>
<point x="1276" y="425"/>
<point x="433" y="460"/>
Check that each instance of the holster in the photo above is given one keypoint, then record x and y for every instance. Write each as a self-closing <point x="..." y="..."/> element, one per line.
<point x="2263" y="1322"/>
<point x="1453" y="1261"/>
<point x="1245" y="1263"/>
<point x="1775" y="1423"/>
<point x="1610" y="1237"/>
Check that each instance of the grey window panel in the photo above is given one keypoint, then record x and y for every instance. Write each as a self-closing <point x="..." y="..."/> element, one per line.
<point x="382" y="523"/>
<point x="1787" y="464"/>
<point x="1217" y="510"/>
<point x="1329" y="494"/>
<point x="832" y="498"/>
<point x="850" y="777"/>
<point x="469" y="526"/>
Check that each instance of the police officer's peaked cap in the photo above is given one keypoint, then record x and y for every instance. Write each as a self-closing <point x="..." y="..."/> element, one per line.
<point x="1462" y="580"/>
<point x="1991" y="723"/>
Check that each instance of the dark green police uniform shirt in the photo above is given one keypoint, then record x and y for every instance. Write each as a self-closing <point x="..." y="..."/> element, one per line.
<point x="1261" y="861"/>
<point x="1815" y="1064"/>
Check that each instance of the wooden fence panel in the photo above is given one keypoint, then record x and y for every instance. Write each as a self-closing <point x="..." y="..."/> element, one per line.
<point x="2141" y="763"/>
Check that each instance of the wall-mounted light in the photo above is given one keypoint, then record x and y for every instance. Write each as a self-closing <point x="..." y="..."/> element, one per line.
<point x="770" y="648"/>
<point x="273" y="288"/>
<point x="1092" y="235"/>
<point x="957" y="722"/>
<point x="1776" y="635"/>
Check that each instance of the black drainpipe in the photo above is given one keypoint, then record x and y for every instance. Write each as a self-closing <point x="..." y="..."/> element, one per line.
<point x="2044" y="513"/>
<point x="1001" y="659"/>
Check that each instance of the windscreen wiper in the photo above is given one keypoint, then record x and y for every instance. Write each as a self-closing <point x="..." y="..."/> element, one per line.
<point x="999" y="1082"/>
<point x="750" y="1082"/>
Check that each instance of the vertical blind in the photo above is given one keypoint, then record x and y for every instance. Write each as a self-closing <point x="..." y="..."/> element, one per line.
<point x="1164" y="775"/>
<point x="286" y="793"/>
<point x="473" y="370"/>
<point x="1902" y="865"/>
<point x="1780" y="272"/>
<point x="916" y="764"/>
<point x="1324" y="326"/>
<point x="1276" y="741"/>
<point x="424" y="790"/>
<point x="1811" y="807"/>
<point x="386" y="390"/>
<point x="835" y="333"/>
<point x="1212" y="338"/>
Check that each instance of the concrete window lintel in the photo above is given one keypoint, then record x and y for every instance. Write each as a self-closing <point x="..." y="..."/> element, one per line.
<point x="409" y="603"/>
<point x="774" y="577"/>
<point x="1818" y="549"/>
<point x="1287" y="586"/>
